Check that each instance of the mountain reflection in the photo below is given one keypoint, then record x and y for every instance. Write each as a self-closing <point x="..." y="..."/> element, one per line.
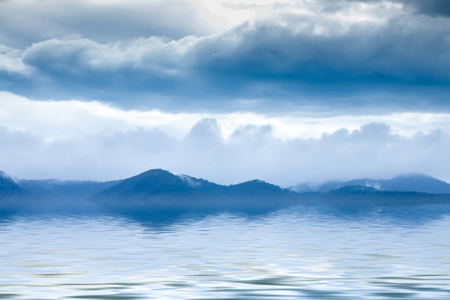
<point x="300" y="252"/>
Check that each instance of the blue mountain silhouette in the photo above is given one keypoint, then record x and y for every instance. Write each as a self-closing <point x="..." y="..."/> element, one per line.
<point x="404" y="183"/>
<point x="8" y="187"/>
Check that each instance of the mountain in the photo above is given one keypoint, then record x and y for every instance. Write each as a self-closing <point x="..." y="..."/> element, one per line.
<point x="161" y="188"/>
<point x="255" y="188"/>
<point x="416" y="183"/>
<point x="159" y="183"/>
<point x="8" y="187"/>
<point x="12" y="195"/>
<point x="403" y="183"/>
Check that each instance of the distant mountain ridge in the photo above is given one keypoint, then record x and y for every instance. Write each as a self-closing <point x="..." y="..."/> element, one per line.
<point x="161" y="185"/>
<point x="404" y="183"/>
<point x="162" y="182"/>
<point x="159" y="188"/>
<point x="158" y="182"/>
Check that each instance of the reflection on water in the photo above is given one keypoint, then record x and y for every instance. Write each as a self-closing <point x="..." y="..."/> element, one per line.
<point x="293" y="254"/>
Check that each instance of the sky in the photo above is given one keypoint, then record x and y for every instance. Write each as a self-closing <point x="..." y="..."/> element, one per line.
<point x="279" y="90"/>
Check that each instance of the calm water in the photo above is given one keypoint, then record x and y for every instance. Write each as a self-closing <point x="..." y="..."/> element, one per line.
<point x="293" y="254"/>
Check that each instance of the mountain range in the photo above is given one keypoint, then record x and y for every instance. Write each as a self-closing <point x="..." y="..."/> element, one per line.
<point x="161" y="189"/>
<point x="404" y="183"/>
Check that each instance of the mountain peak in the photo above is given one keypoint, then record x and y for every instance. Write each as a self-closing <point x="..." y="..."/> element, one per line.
<point x="155" y="172"/>
<point x="256" y="187"/>
<point x="416" y="182"/>
<point x="161" y="185"/>
<point x="5" y="176"/>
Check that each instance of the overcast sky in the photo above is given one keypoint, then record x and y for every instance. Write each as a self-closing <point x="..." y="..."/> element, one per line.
<point x="285" y="91"/>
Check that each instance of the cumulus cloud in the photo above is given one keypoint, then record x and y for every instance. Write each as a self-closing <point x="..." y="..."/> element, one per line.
<point x="11" y="61"/>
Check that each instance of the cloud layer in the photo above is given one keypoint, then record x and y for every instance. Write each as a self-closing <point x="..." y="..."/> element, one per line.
<point x="343" y="56"/>
<point x="250" y="152"/>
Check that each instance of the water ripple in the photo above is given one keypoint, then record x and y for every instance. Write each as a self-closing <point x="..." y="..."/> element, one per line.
<point x="293" y="254"/>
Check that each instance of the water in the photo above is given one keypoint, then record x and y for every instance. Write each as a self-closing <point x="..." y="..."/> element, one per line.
<point x="289" y="254"/>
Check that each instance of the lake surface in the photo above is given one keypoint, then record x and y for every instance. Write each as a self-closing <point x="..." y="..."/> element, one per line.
<point x="301" y="253"/>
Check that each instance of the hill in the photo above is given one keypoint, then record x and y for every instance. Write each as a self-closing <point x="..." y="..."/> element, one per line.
<point x="163" y="189"/>
<point x="403" y="183"/>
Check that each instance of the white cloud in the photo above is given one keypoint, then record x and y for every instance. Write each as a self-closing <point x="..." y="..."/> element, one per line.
<point x="90" y="140"/>
<point x="11" y="61"/>
<point x="74" y="118"/>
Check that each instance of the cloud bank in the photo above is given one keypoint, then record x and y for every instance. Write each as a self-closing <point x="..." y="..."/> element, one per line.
<point x="350" y="55"/>
<point x="79" y="140"/>
<point x="250" y="152"/>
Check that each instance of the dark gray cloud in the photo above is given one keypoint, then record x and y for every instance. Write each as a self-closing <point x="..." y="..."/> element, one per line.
<point x="429" y="7"/>
<point x="287" y="61"/>
<point x="268" y="58"/>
